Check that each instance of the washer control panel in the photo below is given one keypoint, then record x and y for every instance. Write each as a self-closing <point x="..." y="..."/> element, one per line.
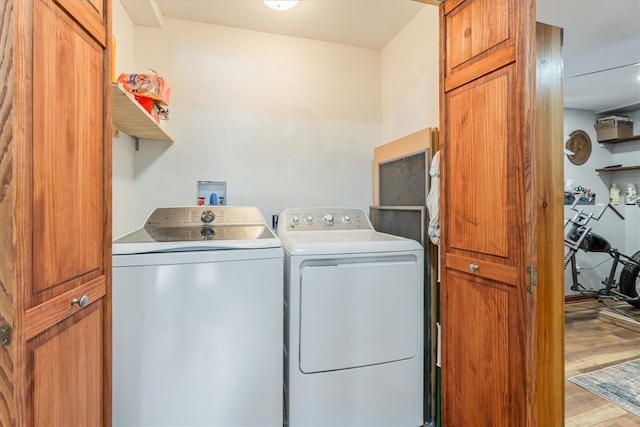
<point x="309" y="219"/>
<point x="204" y="216"/>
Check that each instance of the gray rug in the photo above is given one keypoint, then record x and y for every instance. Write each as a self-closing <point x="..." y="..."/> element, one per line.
<point x="619" y="384"/>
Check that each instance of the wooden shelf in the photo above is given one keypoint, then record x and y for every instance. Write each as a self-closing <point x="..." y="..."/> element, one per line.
<point x="619" y="168"/>
<point x="132" y="119"/>
<point x="617" y="141"/>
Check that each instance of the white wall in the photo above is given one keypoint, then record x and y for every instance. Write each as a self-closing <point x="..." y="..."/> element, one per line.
<point x="123" y="212"/>
<point x="628" y="154"/>
<point x="623" y="235"/>
<point x="585" y="175"/>
<point x="284" y="121"/>
<point x="410" y="79"/>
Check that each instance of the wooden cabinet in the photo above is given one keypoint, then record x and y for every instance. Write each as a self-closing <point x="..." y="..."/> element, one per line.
<point x="500" y="216"/>
<point x="55" y="210"/>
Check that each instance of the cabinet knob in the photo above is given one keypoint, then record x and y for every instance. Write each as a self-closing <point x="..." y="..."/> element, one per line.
<point x="82" y="302"/>
<point x="473" y="268"/>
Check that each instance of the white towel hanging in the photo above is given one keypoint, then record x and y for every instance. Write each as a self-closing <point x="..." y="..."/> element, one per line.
<point x="433" y="200"/>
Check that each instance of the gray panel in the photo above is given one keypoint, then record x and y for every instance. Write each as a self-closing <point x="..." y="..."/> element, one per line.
<point x="403" y="182"/>
<point x="404" y="221"/>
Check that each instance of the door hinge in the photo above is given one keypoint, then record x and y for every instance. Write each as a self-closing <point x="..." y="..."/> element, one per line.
<point x="5" y="335"/>
<point x="533" y="278"/>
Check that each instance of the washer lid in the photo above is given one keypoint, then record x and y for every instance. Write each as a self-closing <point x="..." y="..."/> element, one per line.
<point x="199" y="228"/>
<point x="344" y="242"/>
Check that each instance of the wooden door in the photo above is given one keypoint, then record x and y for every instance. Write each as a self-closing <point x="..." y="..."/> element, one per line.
<point x="549" y="160"/>
<point x="55" y="175"/>
<point x="490" y="207"/>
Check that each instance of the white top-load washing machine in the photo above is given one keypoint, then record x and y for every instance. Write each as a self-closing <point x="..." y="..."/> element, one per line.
<point x="197" y="320"/>
<point x="353" y="321"/>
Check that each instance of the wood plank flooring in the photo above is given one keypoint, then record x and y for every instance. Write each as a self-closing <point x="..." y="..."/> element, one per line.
<point x="592" y="344"/>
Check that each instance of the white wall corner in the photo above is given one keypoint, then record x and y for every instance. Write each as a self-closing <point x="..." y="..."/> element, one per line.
<point x="143" y="12"/>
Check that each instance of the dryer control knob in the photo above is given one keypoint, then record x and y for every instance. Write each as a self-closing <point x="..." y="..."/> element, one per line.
<point x="295" y="220"/>
<point x="328" y="219"/>
<point x="346" y="219"/>
<point x="207" y="216"/>
<point x="308" y="219"/>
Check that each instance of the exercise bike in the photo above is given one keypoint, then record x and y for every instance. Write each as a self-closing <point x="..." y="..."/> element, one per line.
<point x="579" y="236"/>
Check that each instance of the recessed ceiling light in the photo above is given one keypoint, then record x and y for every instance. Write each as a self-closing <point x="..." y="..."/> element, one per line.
<point x="280" y="4"/>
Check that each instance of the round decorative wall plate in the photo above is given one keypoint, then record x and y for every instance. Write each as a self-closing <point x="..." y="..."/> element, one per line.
<point x="579" y="144"/>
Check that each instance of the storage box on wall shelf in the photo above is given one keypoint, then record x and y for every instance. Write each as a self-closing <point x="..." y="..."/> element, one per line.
<point x="614" y="127"/>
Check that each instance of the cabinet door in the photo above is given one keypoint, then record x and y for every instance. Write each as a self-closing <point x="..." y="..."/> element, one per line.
<point x="487" y="213"/>
<point x="70" y="254"/>
<point x="66" y="363"/>
<point x="55" y="289"/>
<point x="68" y="154"/>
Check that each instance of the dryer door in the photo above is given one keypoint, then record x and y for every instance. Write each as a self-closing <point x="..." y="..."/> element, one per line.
<point x="359" y="313"/>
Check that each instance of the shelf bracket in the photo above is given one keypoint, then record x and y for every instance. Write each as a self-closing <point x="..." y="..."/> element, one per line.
<point x="137" y="143"/>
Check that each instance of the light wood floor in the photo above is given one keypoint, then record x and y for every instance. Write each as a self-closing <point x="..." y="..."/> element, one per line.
<point x="591" y="344"/>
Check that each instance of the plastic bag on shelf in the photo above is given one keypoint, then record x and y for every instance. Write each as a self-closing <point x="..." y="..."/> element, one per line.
<point x="152" y="86"/>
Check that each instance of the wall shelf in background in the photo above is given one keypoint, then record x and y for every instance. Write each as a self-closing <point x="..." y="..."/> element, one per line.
<point x="132" y="119"/>
<point x="617" y="141"/>
<point x="619" y="168"/>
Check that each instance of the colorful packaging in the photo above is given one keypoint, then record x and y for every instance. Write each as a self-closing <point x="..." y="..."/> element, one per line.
<point x="151" y="86"/>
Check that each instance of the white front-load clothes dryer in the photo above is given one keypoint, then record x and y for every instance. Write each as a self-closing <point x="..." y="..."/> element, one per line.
<point x="353" y="321"/>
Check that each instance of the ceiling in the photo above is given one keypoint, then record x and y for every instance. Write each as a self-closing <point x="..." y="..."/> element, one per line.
<point x="601" y="41"/>
<point x="601" y="37"/>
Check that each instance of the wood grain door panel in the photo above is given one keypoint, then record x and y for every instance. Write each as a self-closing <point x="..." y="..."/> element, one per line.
<point x="479" y="129"/>
<point x="474" y="31"/>
<point x="90" y="14"/>
<point x="484" y="392"/>
<point x="67" y="153"/>
<point x="65" y="363"/>
<point x="504" y="274"/>
<point x="52" y="311"/>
